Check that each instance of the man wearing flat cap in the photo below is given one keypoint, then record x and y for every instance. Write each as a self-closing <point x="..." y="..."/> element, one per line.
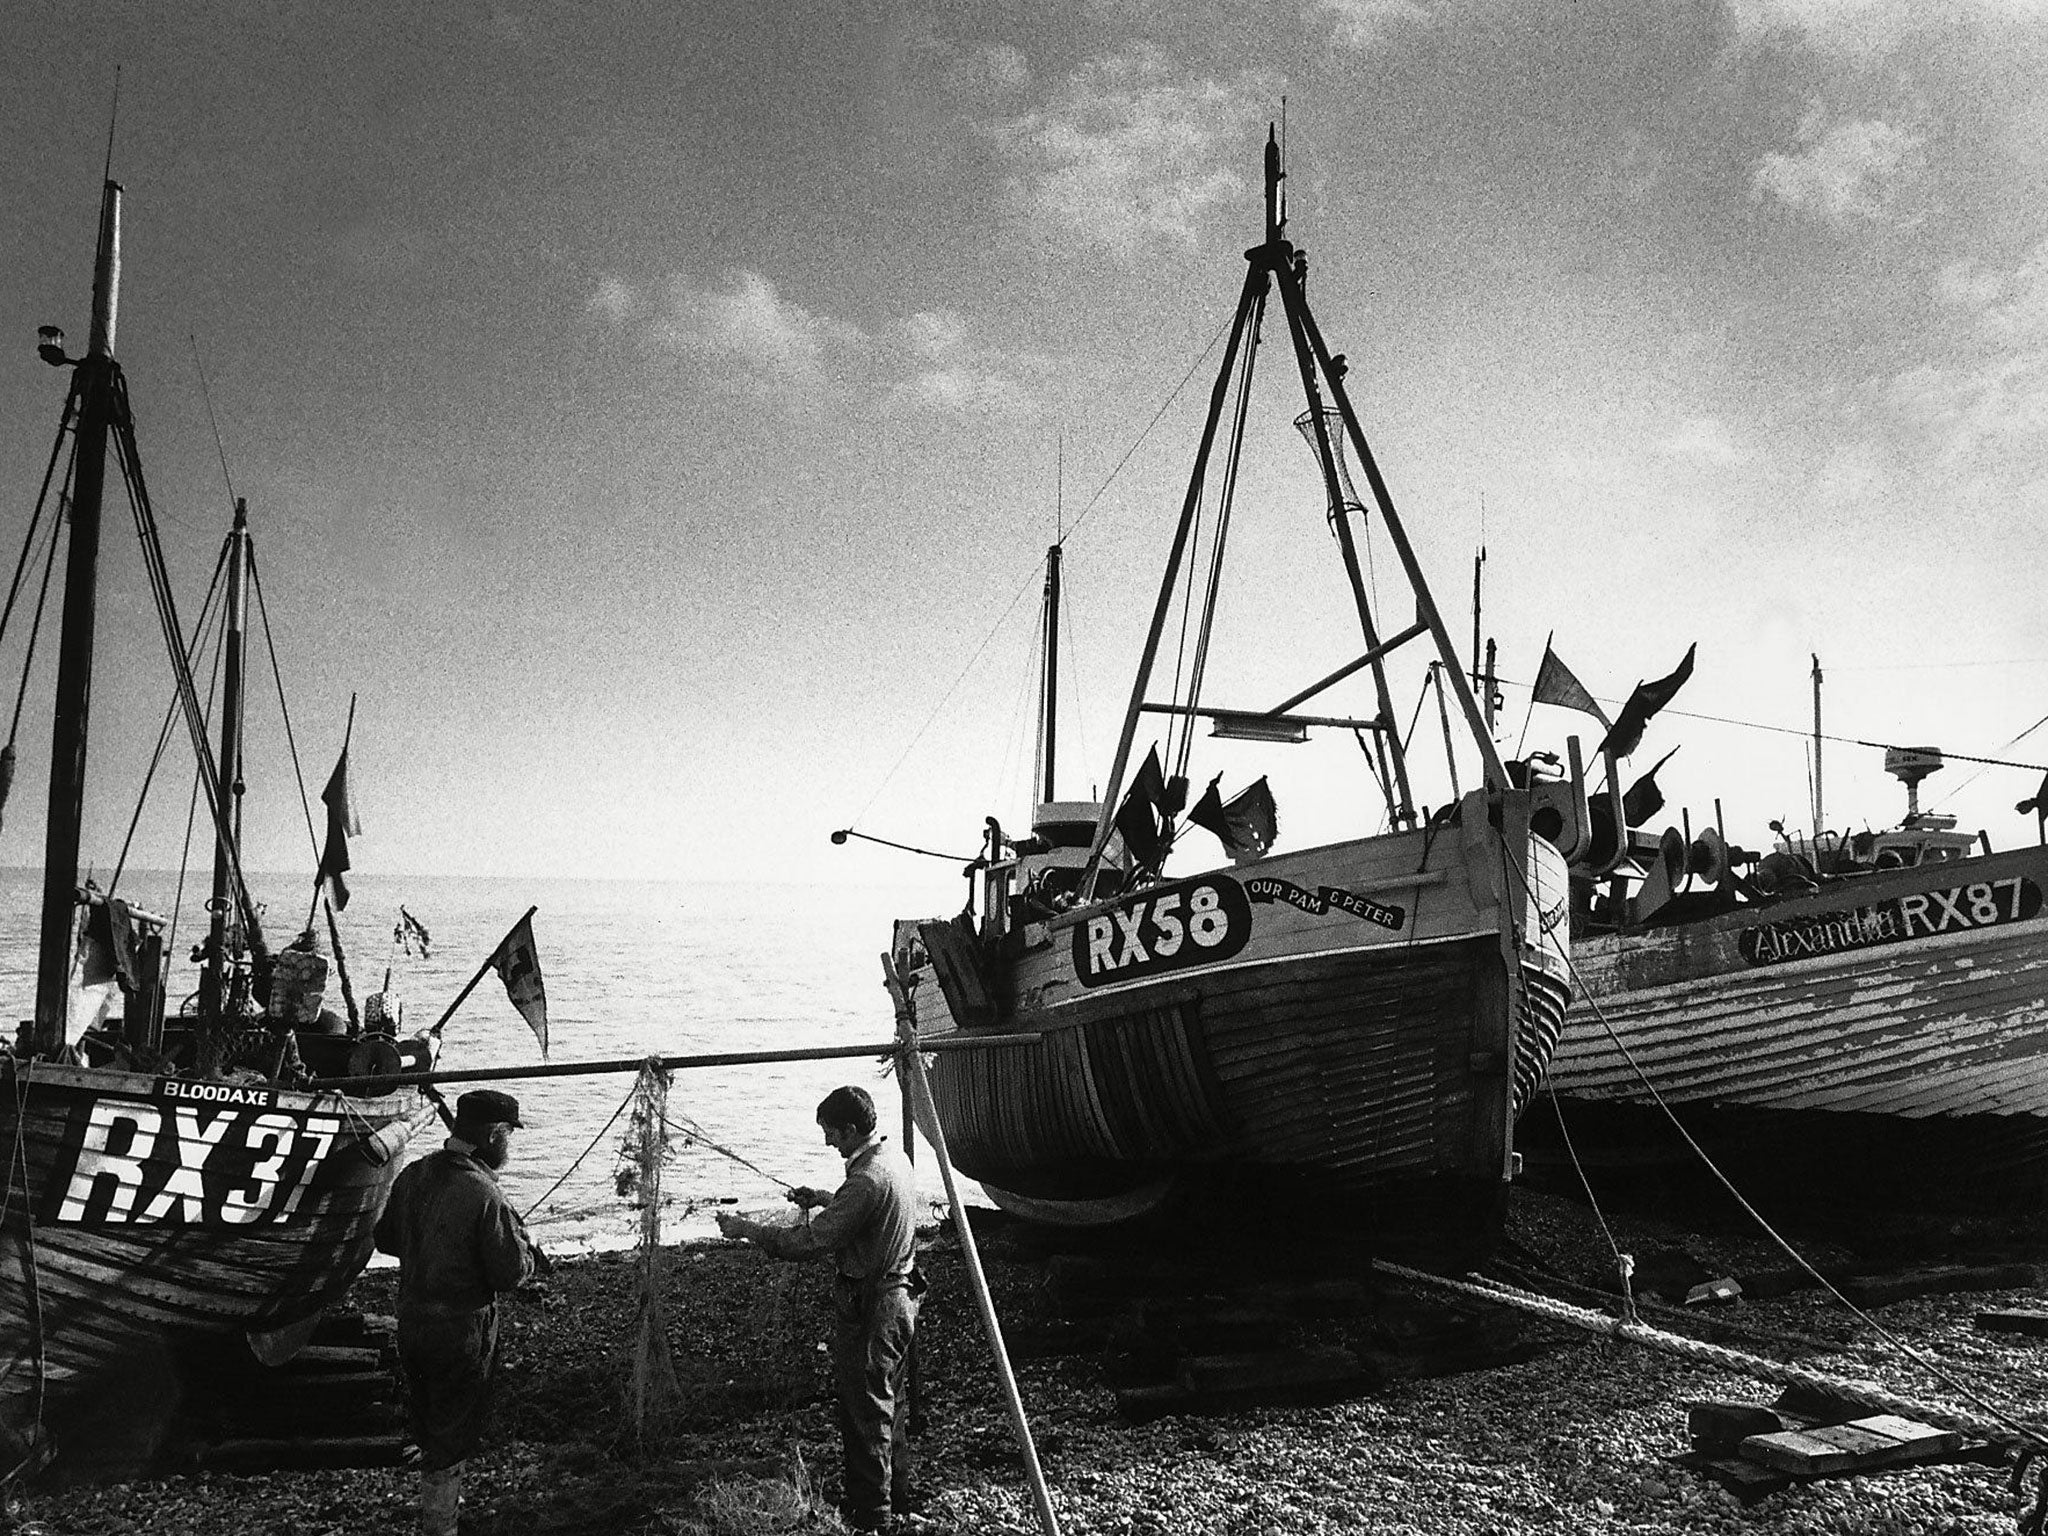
<point x="458" y="1245"/>
<point x="868" y="1228"/>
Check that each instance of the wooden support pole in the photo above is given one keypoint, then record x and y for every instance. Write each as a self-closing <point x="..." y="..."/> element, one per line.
<point x="666" y="1063"/>
<point x="910" y="1064"/>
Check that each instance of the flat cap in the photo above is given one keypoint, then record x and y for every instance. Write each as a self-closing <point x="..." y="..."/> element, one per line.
<point x="487" y="1106"/>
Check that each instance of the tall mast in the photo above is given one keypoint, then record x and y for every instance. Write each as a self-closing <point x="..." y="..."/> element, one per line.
<point x="94" y="382"/>
<point x="1049" y="683"/>
<point x="224" y="937"/>
<point x="1816" y="746"/>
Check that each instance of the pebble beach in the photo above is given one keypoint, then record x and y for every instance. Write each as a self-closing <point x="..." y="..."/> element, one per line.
<point x="1571" y="1433"/>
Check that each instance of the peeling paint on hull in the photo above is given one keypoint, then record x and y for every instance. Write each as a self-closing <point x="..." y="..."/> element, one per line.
<point x="1919" y="1065"/>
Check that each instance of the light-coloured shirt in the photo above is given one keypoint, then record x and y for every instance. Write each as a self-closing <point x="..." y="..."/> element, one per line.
<point x="870" y="1224"/>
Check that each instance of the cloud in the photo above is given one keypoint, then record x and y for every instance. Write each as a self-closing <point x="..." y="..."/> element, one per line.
<point x="615" y="300"/>
<point x="1130" y="153"/>
<point x="749" y="328"/>
<point x="1851" y="173"/>
<point x="988" y="68"/>
<point x="747" y="334"/>
<point x="1860" y="31"/>
<point x="1362" y="25"/>
<point x="2010" y="306"/>
<point x="950" y="375"/>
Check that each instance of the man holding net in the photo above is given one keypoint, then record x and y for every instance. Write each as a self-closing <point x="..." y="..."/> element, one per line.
<point x="867" y="1227"/>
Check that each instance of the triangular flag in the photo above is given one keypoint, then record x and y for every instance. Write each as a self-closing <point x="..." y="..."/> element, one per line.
<point x="517" y="963"/>
<point x="1626" y="734"/>
<point x="1555" y="684"/>
<point x="341" y="826"/>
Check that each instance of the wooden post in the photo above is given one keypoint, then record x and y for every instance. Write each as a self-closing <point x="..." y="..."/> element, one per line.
<point x="906" y="1030"/>
<point x="654" y="1371"/>
<point x="910" y="1063"/>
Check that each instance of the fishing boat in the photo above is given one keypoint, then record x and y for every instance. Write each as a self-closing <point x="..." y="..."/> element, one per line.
<point x="176" y="1180"/>
<point x="1846" y="1022"/>
<point x="1353" y="1025"/>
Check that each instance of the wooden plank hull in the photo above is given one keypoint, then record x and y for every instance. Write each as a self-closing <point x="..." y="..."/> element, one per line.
<point x="149" y="1215"/>
<point x="1353" y="1025"/>
<point x="1889" y="1029"/>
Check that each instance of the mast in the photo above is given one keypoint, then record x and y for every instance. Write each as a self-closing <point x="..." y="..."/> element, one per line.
<point x="224" y="936"/>
<point x="94" y="383"/>
<point x="1816" y="747"/>
<point x="1049" y="683"/>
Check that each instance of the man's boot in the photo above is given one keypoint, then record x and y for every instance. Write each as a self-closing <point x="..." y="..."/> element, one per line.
<point x="440" y="1500"/>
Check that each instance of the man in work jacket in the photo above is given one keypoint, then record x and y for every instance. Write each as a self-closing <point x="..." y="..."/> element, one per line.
<point x="868" y="1227"/>
<point x="458" y="1244"/>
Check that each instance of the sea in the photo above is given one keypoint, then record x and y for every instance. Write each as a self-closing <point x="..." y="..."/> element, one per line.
<point x="631" y="969"/>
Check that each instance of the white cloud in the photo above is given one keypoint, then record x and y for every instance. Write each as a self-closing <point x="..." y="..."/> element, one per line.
<point x="1969" y="415"/>
<point x="955" y="389"/>
<point x="2009" y="306"/>
<point x="1848" y="174"/>
<point x="1362" y="25"/>
<point x="750" y="327"/>
<point x="749" y="334"/>
<point x="1131" y="153"/>
<point x="1860" y="31"/>
<point x="934" y="334"/>
<point x="615" y="299"/>
<point x="952" y="375"/>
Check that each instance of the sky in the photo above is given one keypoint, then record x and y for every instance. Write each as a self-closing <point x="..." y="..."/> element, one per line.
<point x="654" y="415"/>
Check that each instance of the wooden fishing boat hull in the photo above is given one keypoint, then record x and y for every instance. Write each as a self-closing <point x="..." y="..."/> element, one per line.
<point x="1880" y="1042"/>
<point x="1355" y="1023"/>
<point x="148" y="1215"/>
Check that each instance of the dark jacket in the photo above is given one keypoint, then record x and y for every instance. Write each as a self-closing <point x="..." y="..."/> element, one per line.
<point x="458" y="1243"/>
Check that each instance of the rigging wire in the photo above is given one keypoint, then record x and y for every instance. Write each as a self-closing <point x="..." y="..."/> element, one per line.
<point x="283" y="708"/>
<point x="1933" y="1367"/>
<point x="206" y="395"/>
<point x="35" y="630"/>
<point x="1075" y="527"/>
<point x="1807" y="734"/>
<point x="163" y="739"/>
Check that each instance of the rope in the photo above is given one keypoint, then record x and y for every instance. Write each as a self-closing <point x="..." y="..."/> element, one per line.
<point x="2013" y="1433"/>
<point x="630" y="1092"/>
<point x="694" y="1133"/>
<point x="1996" y="1429"/>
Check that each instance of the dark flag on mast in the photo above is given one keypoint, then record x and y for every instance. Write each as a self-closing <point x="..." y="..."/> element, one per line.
<point x="1556" y="684"/>
<point x="2038" y="805"/>
<point x="1138" y="818"/>
<point x="1245" y="824"/>
<point x="1626" y="734"/>
<point x="341" y="826"/>
<point x="1644" y="799"/>
<point x="517" y="963"/>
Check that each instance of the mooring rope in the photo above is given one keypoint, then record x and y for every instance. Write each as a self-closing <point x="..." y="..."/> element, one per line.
<point x="2012" y="1432"/>
<point x="1993" y="1428"/>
